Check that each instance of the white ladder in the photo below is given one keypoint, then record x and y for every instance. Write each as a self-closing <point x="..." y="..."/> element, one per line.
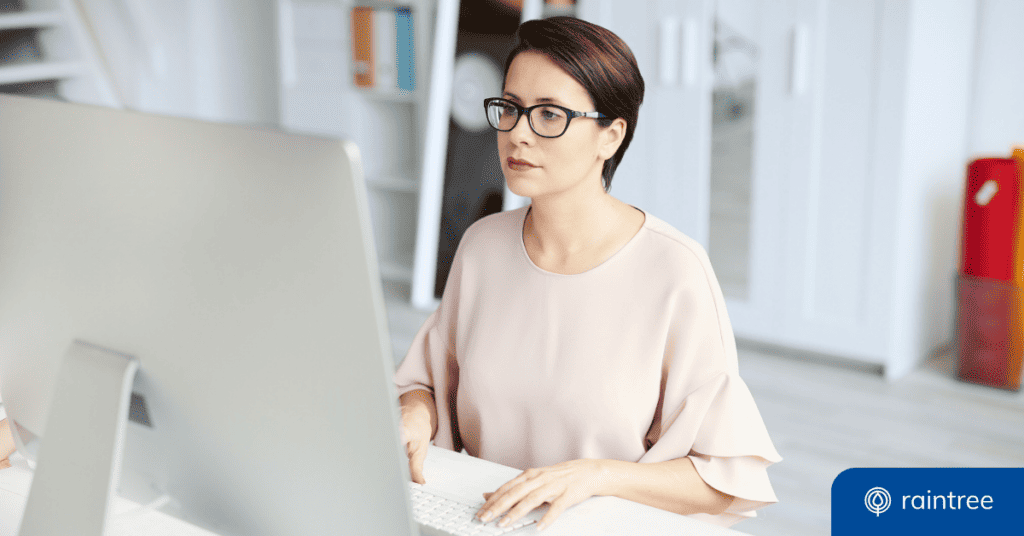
<point x="67" y="53"/>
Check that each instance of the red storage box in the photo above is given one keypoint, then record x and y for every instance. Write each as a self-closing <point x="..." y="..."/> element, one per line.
<point x="991" y="213"/>
<point x="988" y="332"/>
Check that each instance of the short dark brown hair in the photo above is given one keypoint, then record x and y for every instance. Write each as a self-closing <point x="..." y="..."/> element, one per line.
<point x="596" y="58"/>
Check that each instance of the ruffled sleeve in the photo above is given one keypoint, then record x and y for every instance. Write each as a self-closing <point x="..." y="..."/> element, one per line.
<point x="430" y="363"/>
<point x="705" y="410"/>
<point x="720" y="429"/>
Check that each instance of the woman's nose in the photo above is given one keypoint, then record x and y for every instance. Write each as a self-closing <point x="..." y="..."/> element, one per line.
<point x="522" y="133"/>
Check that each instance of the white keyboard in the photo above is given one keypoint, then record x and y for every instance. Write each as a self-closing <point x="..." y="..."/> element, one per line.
<point x="446" y="515"/>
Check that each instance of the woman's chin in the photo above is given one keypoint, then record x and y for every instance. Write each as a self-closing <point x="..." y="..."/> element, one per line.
<point x="520" y="187"/>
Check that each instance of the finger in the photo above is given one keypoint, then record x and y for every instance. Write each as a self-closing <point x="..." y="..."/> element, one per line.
<point x="417" y="464"/>
<point x="4" y="464"/>
<point x="531" y="501"/>
<point x="417" y="454"/>
<point x="500" y="502"/>
<point x="558" y="506"/>
<point x="522" y="478"/>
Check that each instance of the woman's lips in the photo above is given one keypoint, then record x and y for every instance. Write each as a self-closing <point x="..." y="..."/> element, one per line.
<point x="519" y="165"/>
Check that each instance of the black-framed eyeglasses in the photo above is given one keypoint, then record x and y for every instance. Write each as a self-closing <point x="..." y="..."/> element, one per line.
<point x="547" y="120"/>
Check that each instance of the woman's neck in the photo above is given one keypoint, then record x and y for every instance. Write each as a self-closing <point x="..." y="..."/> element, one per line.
<point x="563" y="228"/>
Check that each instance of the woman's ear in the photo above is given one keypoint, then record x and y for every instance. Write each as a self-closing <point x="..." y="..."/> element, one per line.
<point x="611" y="138"/>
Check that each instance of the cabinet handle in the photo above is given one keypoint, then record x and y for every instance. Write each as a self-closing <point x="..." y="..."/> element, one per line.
<point x="690" y="52"/>
<point x="668" y="68"/>
<point x="286" y="25"/>
<point x="800" y="61"/>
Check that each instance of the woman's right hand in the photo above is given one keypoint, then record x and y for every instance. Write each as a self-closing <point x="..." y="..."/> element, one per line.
<point x="416" y="437"/>
<point x="6" y="444"/>
<point x="417" y="429"/>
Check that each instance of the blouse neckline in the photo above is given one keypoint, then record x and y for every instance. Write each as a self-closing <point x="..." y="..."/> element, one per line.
<point x="620" y="252"/>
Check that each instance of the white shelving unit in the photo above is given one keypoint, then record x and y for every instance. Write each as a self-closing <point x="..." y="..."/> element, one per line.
<point x="318" y="96"/>
<point x="61" y="53"/>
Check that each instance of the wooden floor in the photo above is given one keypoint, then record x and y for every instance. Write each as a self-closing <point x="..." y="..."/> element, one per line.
<point x="825" y="417"/>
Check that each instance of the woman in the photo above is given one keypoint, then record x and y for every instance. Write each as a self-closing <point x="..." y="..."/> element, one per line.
<point x="580" y="339"/>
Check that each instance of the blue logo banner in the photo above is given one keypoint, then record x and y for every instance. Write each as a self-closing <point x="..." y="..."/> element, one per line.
<point x="928" y="501"/>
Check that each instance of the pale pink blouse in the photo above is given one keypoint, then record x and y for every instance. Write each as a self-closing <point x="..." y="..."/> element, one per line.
<point x="632" y="360"/>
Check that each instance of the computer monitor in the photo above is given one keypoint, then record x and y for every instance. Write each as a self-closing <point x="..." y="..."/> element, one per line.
<point x="235" y="267"/>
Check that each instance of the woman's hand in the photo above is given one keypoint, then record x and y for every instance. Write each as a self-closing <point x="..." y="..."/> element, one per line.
<point x="6" y="444"/>
<point x="417" y="429"/>
<point x="562" y="486"/>
<point x="416" y="437"/>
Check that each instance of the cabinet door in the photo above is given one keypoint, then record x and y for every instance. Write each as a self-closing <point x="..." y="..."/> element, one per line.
<point x="816" y="279"/>
<point x="835" y="213"/>
<point x="665" y="169"/>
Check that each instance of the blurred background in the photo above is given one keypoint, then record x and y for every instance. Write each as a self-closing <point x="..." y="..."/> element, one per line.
<point x="818" y="149"/>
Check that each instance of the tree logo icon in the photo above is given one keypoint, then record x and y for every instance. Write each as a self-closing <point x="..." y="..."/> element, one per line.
<point x="877" y="500"/>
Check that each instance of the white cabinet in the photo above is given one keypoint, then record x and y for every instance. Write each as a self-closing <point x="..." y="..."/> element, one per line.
<point x="851" y="254"/>
<point x="818" y="274"/>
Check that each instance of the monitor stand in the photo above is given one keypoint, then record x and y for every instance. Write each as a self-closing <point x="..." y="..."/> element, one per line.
<point x="80" y="452"/>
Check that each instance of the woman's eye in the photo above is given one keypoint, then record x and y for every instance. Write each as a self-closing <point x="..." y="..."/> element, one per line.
<point x="550" y="114"/>
<point x="508" y="110"/>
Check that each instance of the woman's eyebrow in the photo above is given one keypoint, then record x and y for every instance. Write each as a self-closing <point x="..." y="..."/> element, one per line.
<point x="542" y="99"/>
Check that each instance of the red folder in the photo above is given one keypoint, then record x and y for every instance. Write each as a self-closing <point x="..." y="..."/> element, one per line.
<point x="991" y="213"/>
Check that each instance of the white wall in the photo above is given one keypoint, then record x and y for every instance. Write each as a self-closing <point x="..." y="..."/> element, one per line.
<point x="931" y="176"/>
<point x="208" y="59"/>
<point x="997" y="111"/>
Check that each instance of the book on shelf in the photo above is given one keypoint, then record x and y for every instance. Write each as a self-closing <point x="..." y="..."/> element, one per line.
<point x="383" y="49"/>
<point x="406" y="50"/>
<point x="362" y="46"/>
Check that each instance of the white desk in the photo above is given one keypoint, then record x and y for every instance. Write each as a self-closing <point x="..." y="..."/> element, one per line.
<point x="453" y="473"/>
<point x="125" y="520"/>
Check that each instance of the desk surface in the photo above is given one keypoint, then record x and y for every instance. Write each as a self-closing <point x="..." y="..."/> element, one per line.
<point x="453" y="473"/>
<point x="126" y="517"/>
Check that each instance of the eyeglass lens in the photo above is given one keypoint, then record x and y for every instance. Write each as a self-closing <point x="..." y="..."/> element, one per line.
<point x="545" y="120"/>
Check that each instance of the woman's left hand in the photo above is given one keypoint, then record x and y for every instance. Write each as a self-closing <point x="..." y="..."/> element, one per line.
<point x="563" y="485"/>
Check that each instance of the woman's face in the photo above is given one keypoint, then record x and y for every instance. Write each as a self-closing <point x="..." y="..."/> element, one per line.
<point x="538" y="167"/>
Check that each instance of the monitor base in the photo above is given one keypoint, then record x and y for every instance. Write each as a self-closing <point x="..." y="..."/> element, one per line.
<point x="80" y="451"/>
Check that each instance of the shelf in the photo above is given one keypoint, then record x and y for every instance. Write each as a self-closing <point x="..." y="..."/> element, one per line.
<point x="394" y="184"/>
<point x="395" y="95"/>
<point x="38" y="72"/>
<point x="30" y="19"/>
